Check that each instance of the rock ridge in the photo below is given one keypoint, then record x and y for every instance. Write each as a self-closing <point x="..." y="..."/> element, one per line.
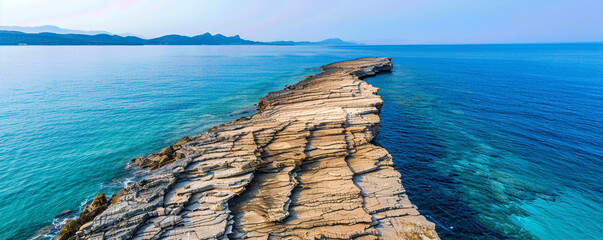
<point x="302" y="167"/>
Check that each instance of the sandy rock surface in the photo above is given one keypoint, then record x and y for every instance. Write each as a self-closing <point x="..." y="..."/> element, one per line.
<point x="302" y="167"/>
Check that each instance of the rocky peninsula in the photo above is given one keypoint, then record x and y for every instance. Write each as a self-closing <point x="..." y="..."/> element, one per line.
<point x="302" y="167"/>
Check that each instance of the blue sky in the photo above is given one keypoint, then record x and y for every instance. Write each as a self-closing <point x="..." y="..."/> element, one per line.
<point x="373" y="22"/>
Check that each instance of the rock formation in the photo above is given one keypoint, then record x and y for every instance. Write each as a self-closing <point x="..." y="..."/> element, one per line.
<point x="97" y="206"/>
<point x="302" y="167"/>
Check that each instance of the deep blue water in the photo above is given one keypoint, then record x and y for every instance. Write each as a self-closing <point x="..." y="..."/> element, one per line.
<point x="493" y="141"/>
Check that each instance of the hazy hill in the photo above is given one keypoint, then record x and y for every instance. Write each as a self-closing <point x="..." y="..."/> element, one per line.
<point x="330" y="41"/>
<point x="45" y="38"/>
<point x="50" y="29"/>
<point x="56" y="38"/>
<point x="203" y="39"/>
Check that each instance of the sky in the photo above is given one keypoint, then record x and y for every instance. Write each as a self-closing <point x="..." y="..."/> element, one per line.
<point x="370" y="21"/>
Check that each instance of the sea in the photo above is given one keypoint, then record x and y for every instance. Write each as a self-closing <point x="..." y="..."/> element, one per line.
<point x="492" y="141"/>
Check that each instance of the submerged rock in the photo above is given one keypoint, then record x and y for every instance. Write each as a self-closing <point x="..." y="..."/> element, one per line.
<point x="41" y="234"/>
<point x="302" y="167"/>
<point x="246" y="110"/>
<point x="63" y="213"/>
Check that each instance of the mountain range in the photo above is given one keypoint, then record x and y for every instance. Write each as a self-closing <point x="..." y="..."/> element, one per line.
<point x="50" y="29"/>
<point x="52" y="35"/>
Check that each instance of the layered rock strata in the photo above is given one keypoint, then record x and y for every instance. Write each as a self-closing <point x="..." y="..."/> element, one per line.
<point x="302" y="167"/>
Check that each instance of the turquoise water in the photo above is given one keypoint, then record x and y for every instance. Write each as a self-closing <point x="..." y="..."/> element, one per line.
<point x="498" y="142"/>
<point x="493" y="141"/>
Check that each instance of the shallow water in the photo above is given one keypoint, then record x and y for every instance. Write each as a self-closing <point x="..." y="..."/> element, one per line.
<point x="493" y="141"/>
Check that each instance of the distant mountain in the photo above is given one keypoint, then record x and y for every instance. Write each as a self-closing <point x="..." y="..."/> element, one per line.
<point x="330" y="41"/>
<point x="51" y="35"/>
<point x="130" y="35"/>
<point x="203" y="39"/>
<point x="50" y="29"/>
<point x="46" y="38"/>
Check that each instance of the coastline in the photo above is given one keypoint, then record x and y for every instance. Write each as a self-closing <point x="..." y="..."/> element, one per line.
<point x="302" y="166"/>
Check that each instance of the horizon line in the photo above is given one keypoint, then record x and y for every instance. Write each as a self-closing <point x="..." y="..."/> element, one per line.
<point x="359" y="42"/>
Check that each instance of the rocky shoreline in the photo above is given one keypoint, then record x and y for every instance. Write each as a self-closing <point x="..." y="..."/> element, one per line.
<point x="302" y="167"/>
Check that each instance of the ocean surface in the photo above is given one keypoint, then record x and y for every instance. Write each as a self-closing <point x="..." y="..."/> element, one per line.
<point x="492" y="141"/>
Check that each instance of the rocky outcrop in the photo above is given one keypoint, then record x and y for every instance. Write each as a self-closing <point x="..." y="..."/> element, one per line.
<point x="157" y="160"/>
<point x="302" y="167"/>
<point x="91" y="210"/>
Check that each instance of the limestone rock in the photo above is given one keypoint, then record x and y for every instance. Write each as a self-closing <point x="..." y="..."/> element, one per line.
<point x="167" y="155"/>
<point x="302" y="167"/>
<point x="91" y="210"/>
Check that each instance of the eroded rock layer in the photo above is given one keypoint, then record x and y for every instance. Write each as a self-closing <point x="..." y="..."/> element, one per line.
<point x="302" y="167"/>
